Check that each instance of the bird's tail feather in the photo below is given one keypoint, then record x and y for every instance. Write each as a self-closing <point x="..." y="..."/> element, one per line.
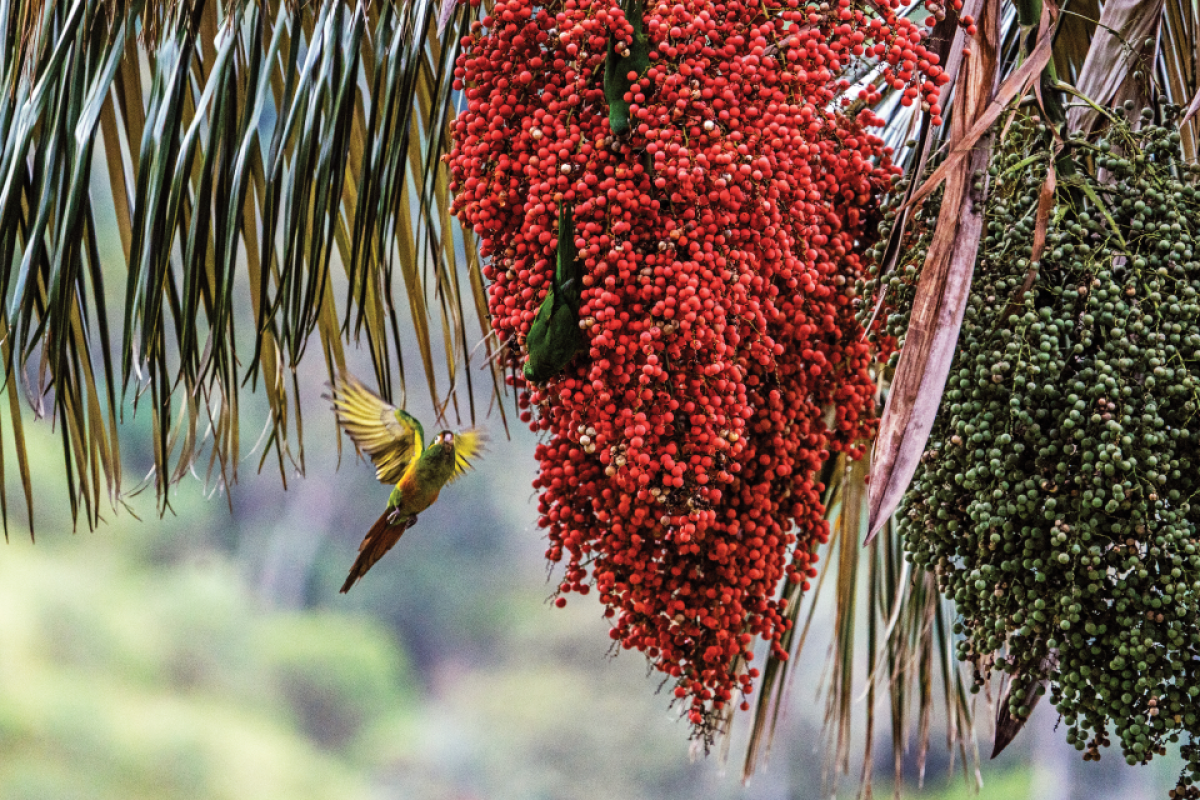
<point x="382" y="536"/>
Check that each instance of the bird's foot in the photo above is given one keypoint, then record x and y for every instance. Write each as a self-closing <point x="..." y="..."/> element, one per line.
<point x="396" y="518"/>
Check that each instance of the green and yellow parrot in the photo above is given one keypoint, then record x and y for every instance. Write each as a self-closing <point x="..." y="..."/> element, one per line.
<point x="395" y="441"/>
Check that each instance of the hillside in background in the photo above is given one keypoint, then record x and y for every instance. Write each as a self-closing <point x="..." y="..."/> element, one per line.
<point x="209" y="656"/>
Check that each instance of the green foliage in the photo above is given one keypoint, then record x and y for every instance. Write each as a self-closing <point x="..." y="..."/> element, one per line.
<point x="337" y="675"/>
<point x="1013" y="784"/>
<point x="120" y="682"/>
<point x="554" y="337"/>
<point x="634" y="57"/>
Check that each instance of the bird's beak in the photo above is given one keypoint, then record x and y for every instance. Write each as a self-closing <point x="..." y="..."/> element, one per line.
<point x="448" y="438"/>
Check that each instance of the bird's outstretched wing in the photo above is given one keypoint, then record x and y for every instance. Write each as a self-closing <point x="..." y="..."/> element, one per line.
<point x="389" y="435"/>
<point x="467" y="446"/>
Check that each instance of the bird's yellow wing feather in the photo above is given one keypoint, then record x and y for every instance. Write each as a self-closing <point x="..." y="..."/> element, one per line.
<point x="389" y="435"/>
<point x="468" y="445"/>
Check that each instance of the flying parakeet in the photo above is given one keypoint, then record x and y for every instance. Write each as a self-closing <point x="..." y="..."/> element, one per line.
<point x="395" y="441"/>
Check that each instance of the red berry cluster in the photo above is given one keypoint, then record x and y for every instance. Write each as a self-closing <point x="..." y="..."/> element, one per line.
<point x="719" y="242"/>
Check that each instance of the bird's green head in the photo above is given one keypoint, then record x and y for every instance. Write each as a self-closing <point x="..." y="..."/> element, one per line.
<point x="442" y="446"/>
<point x="436" y="464"/>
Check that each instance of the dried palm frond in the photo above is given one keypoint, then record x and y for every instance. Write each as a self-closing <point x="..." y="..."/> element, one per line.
<point x="909" y="654"/>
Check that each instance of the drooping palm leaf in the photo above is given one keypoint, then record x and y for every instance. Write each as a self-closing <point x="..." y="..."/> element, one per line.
<point x="277" y="152"/>
<point x="909" y="655"/>
<point x="946" y="275"/>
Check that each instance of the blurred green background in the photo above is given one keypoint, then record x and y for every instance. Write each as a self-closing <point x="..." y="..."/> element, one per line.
<point x="209" y="655"/>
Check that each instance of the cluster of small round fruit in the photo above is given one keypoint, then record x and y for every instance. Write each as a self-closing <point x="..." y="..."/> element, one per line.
<point x="718" y="192"/>
<point x="1055" y="498"/>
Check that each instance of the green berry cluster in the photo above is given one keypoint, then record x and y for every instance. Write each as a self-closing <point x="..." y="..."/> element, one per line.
<point x="1056" y="500"/>
<point x="896" y="289"/>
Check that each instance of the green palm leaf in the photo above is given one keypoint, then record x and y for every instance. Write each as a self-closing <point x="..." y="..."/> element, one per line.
<point x="285" y="153"/>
